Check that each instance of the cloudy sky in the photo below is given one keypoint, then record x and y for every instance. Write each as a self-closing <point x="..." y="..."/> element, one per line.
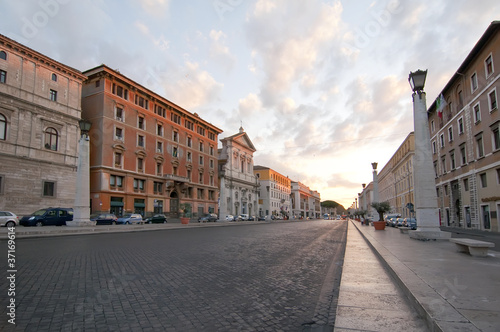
<point x="321" y="87"/>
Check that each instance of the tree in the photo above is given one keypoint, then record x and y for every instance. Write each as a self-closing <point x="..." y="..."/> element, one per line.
<point x="329" y="204"/>
<point x="381" y="208"/>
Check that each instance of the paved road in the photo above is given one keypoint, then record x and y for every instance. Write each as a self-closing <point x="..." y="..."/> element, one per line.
<point x="266" y="277"/>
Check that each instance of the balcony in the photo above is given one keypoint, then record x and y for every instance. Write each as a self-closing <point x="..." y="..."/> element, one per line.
<point x="176" y="178"/>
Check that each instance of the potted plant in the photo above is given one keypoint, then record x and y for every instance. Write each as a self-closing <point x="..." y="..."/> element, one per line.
<point x="381" y="208"/>
<point x="184" y="210"/>
<point x="361" y="213"/>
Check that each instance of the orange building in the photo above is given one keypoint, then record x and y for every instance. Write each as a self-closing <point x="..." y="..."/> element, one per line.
<point x="147" y="154"/>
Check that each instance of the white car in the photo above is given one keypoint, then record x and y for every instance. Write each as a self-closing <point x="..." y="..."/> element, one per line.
<point x="8" y="219"/>
<point x="230" y="218"/>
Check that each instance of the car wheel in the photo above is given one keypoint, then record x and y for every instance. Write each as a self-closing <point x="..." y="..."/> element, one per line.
<point x="39" y="224"/>
<point x="113" y="222"/>
<point x="10" y="224"/>
<point x="164" y="221"/>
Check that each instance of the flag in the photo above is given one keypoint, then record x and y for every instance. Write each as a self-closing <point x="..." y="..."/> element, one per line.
<point x="440" y="104"/>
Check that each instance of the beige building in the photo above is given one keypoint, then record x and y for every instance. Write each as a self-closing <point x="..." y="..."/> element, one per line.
<point x="238" y="185"/>
<point x="40" y="108"/>
<point x="465" y="139"/>
<point x="306" y="203"/>
<point x="274" y="192"/>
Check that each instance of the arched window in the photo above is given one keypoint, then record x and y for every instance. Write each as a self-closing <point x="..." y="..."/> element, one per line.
<point x="54" y="77"/>
<point x="3" y="55"/>
<point x="51" y="139"/>
<point x="3" y="127"/>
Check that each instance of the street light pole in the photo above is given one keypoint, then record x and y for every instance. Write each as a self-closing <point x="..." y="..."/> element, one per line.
<point x="424" y="185"/>
<point x="81" y="209"/>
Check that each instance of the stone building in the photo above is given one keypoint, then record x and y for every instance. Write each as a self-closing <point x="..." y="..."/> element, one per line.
<point x="148" y="155"/>
<point x="40" y="106"/>
<point x="275" y="190"/>
<point x="305" y="203"/>
<point x="465" y="139"/>
<point x="238" y="186"/>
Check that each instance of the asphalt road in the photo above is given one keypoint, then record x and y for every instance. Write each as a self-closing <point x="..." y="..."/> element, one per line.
<point x="264" y="277"/>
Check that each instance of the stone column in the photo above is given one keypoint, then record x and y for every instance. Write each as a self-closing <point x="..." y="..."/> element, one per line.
<point x="81" y="209"/>
<point x="423" y="175"/>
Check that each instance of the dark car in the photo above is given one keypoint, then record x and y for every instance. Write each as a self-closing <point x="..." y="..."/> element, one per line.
<point x="410" y="222"/>
<point x="208" y="217"/>
<point x="399" y="222"/>
<point x="157" y="219"/>
<point x="104" y="219"/>
<point x="46" y="217"/>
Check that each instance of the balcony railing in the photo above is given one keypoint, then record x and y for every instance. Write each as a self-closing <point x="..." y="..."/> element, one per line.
<point x="176" y="178"/>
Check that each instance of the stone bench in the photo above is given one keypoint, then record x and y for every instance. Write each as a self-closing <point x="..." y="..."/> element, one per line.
<point x="404" y="230"/>
<point x="473" y="247"/>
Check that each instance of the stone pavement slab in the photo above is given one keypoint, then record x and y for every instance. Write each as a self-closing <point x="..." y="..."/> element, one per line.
<point x="369" y="298"/>
<point x="453" y="291"/>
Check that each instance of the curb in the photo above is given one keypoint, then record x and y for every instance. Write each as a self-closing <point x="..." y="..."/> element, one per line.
<point x="438" y="313"/>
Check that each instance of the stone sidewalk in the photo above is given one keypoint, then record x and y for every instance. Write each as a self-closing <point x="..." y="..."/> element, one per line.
<point x="451" y="291"/>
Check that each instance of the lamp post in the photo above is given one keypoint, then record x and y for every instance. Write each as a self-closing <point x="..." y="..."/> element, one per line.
<point x="81" y="209"/>
<point x="423" y="170"/>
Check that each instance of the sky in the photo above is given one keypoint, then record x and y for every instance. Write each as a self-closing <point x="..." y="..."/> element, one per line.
<point x="320" y="87"/>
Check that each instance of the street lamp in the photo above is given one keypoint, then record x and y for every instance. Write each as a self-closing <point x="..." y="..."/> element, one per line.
<point x="427" y="213"/>
<point x="81" y="209"/>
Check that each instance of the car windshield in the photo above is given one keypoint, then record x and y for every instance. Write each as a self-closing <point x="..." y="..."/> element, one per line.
<point x="39" y="212"/>
<point x="128" y="215"/>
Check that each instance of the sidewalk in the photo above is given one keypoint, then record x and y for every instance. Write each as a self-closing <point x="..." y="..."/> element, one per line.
<point x="452" y="291"/>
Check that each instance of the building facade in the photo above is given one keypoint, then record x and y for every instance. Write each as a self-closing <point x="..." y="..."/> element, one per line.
<point x="274" y="192"/>
<point x="465" y="139"/>
<point x="147" y="154"/>
<point x="238" y="185"/>
<point x="305" y="202"/>
<point x="40" y="106"/>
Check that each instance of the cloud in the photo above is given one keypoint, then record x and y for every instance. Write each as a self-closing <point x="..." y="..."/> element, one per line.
<point x="219" y="52"/>
<point x="157" y="8"/>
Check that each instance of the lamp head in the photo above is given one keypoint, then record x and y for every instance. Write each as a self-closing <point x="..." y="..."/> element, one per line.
<point x="374" y="165"/>
<point x="84" y="126"/>
<point x="417" y="80"/>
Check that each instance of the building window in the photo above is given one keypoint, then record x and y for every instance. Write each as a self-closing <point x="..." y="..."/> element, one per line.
<point x="450" y="134"/>
<point x="460" y="126"/>
<point x="488" y="66"/>
<point x="119" y="134"/>
<point x="3" y="127"/>
<point x="189" y="125"/>
<point x="496" y="138"/>
<point x="175" y="136"/>
<point x="175" y="118"/>
<point x="463" y="156"/>
<point x="432" y="126"/>
<point x="3" y="76"/>
<point x="139" y="184"/>
<point x="51" y="139"/>
<point x="141" y="123"/>
<point x="53" y="95"/>
<point x="211" y="136"/>
<point x="473" y="82"/>
<point x="477" y="113"/>
<point x="174" y="170"/>
<point x="189" y="175"/>
<point x="141" y="101"/>
<point x="115" y="181"/>
<point x="434" y="147"/>
<point x="479" y="146"/>
<point x="119" y="114"/>
<point x="3" y="55"/>
<point x="498" y="177"/>
<point x="140" y="165"/>
<point x="201" y="160"/>
<point x="2" y="181"/>
<point x="97" y="83"/>
<point x="158" y="187"/>
<point x="466" y="184"/>
<point x="443" y="164"/>
<point x="441" y="140"/>
<point x="189" y="157"/>
<point x="482" y="177"/>
<point x="201" y="146"/>
<point x="211" y="180"/>
<point x="201" y="131"/>
<point x="140" y="141"/>
<point x="201" y="177"/>
<point x="159" y="129"/>
<point x="159" y="147"/>
<point x="174" y="152"/>
<point x="159" y="169"/>
<point x="120" y="91"/>
<point x="452" y="160"/>
<point x="118" y="159"/>
<point x="189" y="142"/>
<point x="161" y="111"/>
<point x="211" y="163"/>
<point x="492" y="98"/>
<point x="49" y="189"/>
<point x="446" y="190"/>
<point x="211" y="150"/>
<point x="54" y="77"/>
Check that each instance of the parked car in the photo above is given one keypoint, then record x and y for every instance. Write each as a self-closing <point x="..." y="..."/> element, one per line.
<point x="208" y="217"/>
<point x="49" y="216"/>
<point x="410" y="222"/>
<point x="394" y="221"/>
<point x="399" y="222"/>
<point x="243" y="217"/>
<point x="130" y="218"/>
<point x="8" y="219"/>
<point x="262" y="218"/>
<point x="104" y="219"/>
<point x="230" y="217"/>
<point x="157" y="219"/>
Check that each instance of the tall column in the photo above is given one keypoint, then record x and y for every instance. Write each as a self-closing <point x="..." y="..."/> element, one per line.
<point x="423" y="171"/>
<point x="81" y="209"/>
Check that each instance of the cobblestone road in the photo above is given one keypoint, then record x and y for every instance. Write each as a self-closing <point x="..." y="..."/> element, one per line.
<point x="265" y="277"/>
